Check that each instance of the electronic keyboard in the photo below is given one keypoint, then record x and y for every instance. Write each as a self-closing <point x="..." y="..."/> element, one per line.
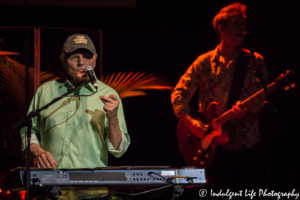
<point x="124" y="177"/>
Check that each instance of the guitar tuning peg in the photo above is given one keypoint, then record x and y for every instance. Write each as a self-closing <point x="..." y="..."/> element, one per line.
<point x="293" y="85"/>
<point x="287" y="88"/>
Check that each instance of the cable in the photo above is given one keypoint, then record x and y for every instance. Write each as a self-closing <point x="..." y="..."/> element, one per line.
<point x="5" y="175"/>
<point x="189" y="183"/>
<point x="167" y="180"/>
<point x="80" y="95"/>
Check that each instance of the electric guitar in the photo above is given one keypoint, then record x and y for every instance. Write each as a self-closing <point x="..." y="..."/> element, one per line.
<point x="199" y="152"/>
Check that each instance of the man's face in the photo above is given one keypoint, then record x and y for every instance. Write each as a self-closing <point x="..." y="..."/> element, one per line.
<point x="76" y="63"/>
<point x="233" y="31"/>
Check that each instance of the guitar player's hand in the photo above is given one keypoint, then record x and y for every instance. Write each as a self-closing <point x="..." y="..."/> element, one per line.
<point x="196" y="128"/>
<point x="194" y="125"/>
<point x="43" y="158"/>
<point x="238" y="111"/>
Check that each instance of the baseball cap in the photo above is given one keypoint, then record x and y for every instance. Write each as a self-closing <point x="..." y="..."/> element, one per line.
<point x="78" y="41"/>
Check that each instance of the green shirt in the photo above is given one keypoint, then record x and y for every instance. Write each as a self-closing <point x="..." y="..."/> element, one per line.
<point x="75" y="129"/>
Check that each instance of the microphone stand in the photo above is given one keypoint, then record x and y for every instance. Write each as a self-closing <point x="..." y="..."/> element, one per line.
<point x="27" y="122"/>
<point x="257" y="71"/>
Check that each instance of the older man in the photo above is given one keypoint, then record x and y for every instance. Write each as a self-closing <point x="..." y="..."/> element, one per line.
<point x="77" y="131"/>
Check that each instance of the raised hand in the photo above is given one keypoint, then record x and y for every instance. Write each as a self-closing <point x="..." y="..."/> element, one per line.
<point x="111" y="104"/>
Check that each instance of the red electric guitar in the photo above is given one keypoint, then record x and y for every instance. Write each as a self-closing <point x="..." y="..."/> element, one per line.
<point x="199" y="152"/>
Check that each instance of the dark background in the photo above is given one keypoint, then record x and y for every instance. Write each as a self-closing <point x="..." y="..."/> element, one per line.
<point x="165" y="38"/>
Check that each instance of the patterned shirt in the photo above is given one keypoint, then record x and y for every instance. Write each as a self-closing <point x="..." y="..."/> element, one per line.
<point x="209" y="73"/>
<point x="75" y="129"/>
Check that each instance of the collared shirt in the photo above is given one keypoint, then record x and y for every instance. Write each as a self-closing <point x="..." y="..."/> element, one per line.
<point x="75" y="129"/>
<point x="209" y="73"/>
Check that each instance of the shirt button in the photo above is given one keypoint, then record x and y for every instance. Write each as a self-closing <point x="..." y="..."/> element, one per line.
<point x="66" y="140"/>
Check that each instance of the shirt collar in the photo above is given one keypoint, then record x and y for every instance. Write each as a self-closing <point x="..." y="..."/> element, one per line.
<point x="67" y="84"/>
<point x="216" y="56"/>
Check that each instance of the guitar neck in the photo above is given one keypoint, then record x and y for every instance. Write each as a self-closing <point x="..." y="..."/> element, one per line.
<point x="246" y="103"/>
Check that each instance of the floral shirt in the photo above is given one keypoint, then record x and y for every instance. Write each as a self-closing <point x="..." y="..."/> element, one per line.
<point x="209" y="73"/>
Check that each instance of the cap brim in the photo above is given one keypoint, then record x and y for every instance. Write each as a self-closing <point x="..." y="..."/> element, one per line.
<point x="73" y="48"/>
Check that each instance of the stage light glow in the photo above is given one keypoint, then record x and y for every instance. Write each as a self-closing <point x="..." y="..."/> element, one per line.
<point x="23" y="193"/>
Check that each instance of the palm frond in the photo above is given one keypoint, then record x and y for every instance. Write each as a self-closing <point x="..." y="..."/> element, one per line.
<point x="134" y="83"/>
<point x="131" y="94"/>
<point x="12" y="85"/>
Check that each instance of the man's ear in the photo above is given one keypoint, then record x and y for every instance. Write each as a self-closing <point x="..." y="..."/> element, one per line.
<point x="95" y="58"/>
<point x="65" y="64"/>
<point x="96" y="55"/>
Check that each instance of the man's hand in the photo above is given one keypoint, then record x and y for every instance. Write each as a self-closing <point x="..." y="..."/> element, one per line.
<point x="111" y="104"/>
<point x="43" y="158"/>
<point x="194" y="125"/>
<point x="238" y="111"/>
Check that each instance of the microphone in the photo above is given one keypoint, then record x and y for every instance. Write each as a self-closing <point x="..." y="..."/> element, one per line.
<point x="243" y="33"/>
<point x="89" y="71"/>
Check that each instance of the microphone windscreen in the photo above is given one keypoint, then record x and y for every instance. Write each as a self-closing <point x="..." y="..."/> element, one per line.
<point x="87" y="68"/>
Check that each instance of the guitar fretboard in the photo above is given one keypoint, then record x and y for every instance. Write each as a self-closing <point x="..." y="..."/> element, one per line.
<point x="246" y="103"/>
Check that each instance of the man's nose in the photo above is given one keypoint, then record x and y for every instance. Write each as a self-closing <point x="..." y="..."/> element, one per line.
<point x="81" y="61"/>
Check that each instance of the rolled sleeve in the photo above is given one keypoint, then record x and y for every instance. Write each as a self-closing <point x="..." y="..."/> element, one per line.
<point x="184" y="90"/>
<point x="122" y="147"/>
<point x="33" y="140"/>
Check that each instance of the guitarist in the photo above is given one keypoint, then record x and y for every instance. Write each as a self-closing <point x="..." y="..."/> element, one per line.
<point x="238" y="162"/>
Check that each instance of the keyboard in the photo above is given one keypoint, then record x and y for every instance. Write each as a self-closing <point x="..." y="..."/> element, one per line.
<point x="124" y="177"/>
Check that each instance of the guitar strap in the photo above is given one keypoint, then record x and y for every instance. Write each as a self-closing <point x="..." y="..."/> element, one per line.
<point x="238" y="79"/>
